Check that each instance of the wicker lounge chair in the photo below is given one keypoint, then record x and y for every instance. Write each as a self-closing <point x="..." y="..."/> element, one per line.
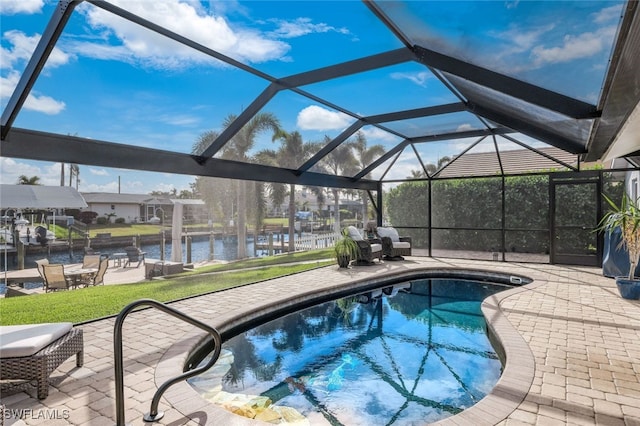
<point x="369" y="249"/>
<point x="393" y="245"/>
<point x="30" y="353"/>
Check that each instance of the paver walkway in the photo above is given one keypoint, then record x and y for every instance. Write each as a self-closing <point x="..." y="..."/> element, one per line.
<point x="584" y="340"/>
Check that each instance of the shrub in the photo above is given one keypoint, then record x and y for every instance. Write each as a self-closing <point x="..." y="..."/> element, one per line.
<point x="119" y="220"/>
<point x="101" y="220"/>
<point x="87" y="217"/>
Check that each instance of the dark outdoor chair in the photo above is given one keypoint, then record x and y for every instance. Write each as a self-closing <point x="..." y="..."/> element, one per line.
<point x="393" y="245"/>
<point x="370" y="249"/>
<point x="134" y="254"/>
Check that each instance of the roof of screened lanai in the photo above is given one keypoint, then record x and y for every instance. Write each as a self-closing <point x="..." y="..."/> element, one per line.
<point x="427" y="79"/>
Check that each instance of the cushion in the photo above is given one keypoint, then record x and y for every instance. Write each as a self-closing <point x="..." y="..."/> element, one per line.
<point x="26" y="340"/>
<point x="401" y="244"/>
<point x="389" y="232"/>
<point x="375" y="247"/>
<point x="354" y="233"/>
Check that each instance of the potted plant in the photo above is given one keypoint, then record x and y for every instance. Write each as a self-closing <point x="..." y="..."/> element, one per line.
<point x="626" y="216"/>
<point x="346" y="249"/>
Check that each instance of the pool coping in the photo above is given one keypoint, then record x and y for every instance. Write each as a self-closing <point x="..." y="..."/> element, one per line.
<point x="505" y="397"/>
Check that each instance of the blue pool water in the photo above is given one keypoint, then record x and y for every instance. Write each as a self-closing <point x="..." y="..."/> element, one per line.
<point x="411" y="358"/>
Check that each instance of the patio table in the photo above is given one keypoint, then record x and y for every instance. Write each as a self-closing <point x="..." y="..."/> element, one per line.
<point x="79" y="274"/>
<point x="118" y="258"/>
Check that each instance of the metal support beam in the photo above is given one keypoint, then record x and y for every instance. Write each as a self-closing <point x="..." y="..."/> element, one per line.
<point x="41" y="146"/>
<point x="36" y="63"/>
<point x="331" y="146"/>
<point x="530" y="129"/>
<point x="392" y="57"/>
<point x="237" y="124"/>
<point x="416" y="113"/>
<point x="508" y="85"/>
<point x="381" y="160"/>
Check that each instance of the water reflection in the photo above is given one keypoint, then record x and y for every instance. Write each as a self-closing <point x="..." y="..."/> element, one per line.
<point x="417" y="356"/>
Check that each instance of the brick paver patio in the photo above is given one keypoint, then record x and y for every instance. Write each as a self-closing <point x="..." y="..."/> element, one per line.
<point x="572" y="344"/>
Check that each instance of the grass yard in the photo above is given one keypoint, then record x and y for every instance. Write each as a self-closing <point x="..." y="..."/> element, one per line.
<point x="96" y="302"/>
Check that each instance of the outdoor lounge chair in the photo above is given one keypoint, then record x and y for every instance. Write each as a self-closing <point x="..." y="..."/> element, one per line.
<point x="32" y="352"/>
<point x="393" y="245"/>
<point x="134" y="255"/>
<point x="369" y="249"/>
<point x="54" y="278"/>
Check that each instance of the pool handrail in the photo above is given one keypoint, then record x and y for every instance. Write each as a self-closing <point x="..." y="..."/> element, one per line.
<point x="154" y="415"/>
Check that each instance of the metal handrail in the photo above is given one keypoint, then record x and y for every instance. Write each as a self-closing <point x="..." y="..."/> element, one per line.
<point x="154" y="414"/>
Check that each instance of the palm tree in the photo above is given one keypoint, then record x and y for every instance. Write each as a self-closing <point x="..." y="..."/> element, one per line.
<point x="24" y="180"/>
<point x="216" y="192"/>
<point x="238" y="149"/>
<point x="340" y="161"/>
<point x="364" y="156"/>
<point x="418" y="174"/>
<point x="292" y="152"/>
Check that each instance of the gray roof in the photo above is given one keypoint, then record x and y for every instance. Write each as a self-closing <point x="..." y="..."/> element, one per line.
<point x="40" y="197"/>
<point x="114" y="198"/>
<point x="513" y="162"/>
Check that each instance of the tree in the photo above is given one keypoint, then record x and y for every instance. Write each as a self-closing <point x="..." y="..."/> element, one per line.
<point x="292" y="152"/>
<point x="340" y="161"/>
<point x="24" y="180"/>
<point x="215" y="192"/>
<point x="238" y="148"/>
<point x="365" y="155"/>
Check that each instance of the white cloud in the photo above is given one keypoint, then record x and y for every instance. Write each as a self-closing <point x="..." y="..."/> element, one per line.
<point x="20" y="50"/>
<point x="22" y="47"/>
<point x="574" y="47"/>
<point x="34" y="101"/>
<point x="375" y="135"/>
<point x="317" y="118"/>
<point x="608" y="14"/>
<point x="13" y="7"/>
<point x="464" y="127"/>
<point x="419" y="78"/>
<point x="303" y="26"/>
<point x="98" y="172"/>
<point x="11" y="169"/>
<point x="142" y="46"/>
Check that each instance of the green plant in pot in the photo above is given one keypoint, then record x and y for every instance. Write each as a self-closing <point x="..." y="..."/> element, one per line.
<point x="625" y="216"/>
<point x="346" y="249"/>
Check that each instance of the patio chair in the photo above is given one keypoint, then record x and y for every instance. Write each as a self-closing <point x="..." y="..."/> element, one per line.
<point x="54" y="278"/>
<point x="370" y="249"/>
<point x="134" y="254"/>
<point x="39" y="264"/>
<point x="393" y="245"/>
<point x="32" y="352"/>
<point x="98" y="278"/>
<point x="91" y="261"/>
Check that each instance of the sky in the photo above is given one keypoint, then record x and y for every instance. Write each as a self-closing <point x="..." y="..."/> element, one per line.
<point x="111" y="80"/>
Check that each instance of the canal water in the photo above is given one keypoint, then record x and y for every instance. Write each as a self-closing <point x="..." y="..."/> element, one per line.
<point x="223" y="249"/>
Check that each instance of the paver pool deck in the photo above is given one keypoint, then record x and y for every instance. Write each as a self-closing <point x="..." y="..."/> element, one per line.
<point x="572" y="347"/>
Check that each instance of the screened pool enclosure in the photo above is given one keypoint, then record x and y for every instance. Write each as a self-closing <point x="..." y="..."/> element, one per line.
<point x="483" y="129"/>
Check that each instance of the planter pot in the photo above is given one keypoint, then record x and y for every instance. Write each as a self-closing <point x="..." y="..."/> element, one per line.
<point x="343" y="261"/>
<point x="629" y="289"/>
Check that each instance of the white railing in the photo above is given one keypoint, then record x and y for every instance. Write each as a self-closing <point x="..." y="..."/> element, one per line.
<point x="316" y="241"/>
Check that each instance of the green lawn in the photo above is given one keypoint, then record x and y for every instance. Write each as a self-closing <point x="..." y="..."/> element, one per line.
<point x="96" y="302"/>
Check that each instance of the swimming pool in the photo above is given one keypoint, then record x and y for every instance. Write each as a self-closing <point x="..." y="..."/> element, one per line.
<point x="410" y="353"/>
